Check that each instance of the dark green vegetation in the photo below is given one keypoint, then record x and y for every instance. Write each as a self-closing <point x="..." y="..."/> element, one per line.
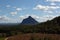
<point x="48" y="27"/>
<point x="2" y="38"/>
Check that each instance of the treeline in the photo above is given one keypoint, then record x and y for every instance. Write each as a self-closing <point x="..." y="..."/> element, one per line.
<point x="49" y="27"/>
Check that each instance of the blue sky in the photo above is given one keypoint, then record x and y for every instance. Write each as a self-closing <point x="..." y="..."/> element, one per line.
<point x="14" y="11"/>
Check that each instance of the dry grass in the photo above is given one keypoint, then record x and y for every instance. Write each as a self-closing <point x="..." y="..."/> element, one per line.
<point x="35" y="36"/>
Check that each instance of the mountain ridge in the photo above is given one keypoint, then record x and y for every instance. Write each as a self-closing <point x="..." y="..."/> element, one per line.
<point x="29" y="21"/>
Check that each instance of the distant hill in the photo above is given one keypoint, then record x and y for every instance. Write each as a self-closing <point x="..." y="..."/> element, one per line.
<point x="29" y="21"/>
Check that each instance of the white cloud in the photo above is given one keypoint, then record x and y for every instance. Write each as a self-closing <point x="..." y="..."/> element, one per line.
<point x="49" y="12"/>
<point x="18" y="9"/>
<point x="22" y="17"/>
<point x="33" y="16"/>
<point x="53" y="3"/>
<point x="47" y="17"/>
<point x="39" y="18"/>
<point x="44" y="18"/>
<point x="45" y="8"/>
<point x="26" y="16"/>
<point x="5" y="19"/>
<point x="13" y="13"/>
<point x="53" y="0"/>
<point x="8" y="6"/>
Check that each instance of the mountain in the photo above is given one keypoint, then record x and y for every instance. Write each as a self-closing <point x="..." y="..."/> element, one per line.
<point x="56" y="20"/>
<point x="29" y="21"/>
<point x="50" y="26"/>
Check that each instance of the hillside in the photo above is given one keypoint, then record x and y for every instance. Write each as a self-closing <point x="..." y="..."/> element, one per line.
<point x="48" y="27"/>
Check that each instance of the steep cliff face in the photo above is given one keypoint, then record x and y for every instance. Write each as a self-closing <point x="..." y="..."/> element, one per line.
<point x="29" y="21"/>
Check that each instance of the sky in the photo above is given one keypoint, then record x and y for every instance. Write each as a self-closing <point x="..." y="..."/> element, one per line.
<point x="14" y="11"/>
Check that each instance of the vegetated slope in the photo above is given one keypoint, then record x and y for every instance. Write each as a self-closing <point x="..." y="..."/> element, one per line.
<point x="51" y="26"/>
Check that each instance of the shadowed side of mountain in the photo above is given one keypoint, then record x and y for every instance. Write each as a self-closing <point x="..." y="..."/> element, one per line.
<point x="29" y="21"/>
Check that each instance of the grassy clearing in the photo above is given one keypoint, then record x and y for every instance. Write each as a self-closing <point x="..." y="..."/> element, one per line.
<point x="35" y="36"/>
<point x="2" y="38"/>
